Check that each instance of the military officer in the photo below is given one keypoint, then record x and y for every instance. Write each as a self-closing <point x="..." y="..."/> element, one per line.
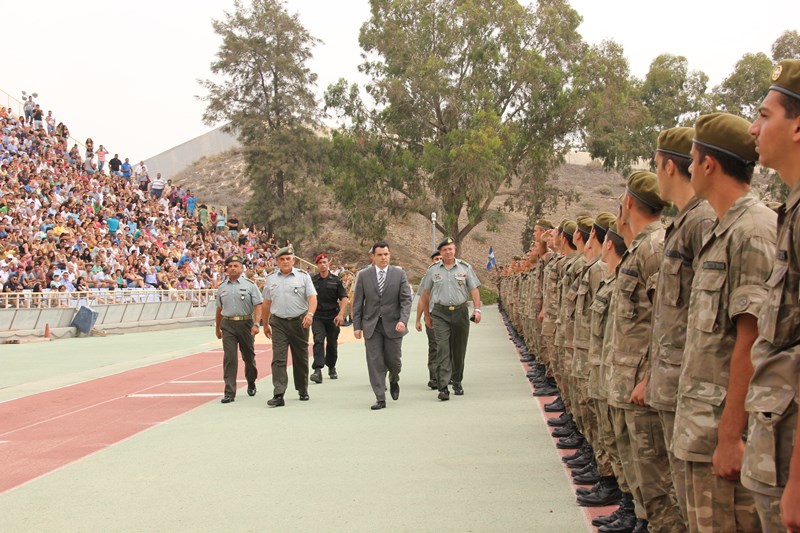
<point x="727" y="292"/>
<point x="684" y="237"/>
<point x="331" y="305"/>
<point x="237" y="318"/>
<point x="448" y="285"/>
<point x="771" y="465"/>
<point x="436" y="256"/>
<point x="290" y="301"/>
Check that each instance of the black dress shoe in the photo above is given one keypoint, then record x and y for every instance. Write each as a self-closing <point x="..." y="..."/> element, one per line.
<point x="581" y="470"/>
<point x="380" y="404"/>
<point x="581" y="461"/>
<point x="624" y="524"/>
<point x="432" y="384"/>
<point x="589" y="478"/>
<point x="607" y="519"/>
<point x="444" y="395"/>
<point x="316" y="376"/>
<point x="564" y="431"/>
<point x="607" y="494"/>
<point x="562" y="419"/>
<point x="555" y="407"/>
<point x="394" y="390"/>
<point x="251" y="389"/>
<point x="527" y="359"/>
<point x="573" y="442"/>
<point x="226" y="399"/>
<point x="584" y="491"/>
<point x="304" y="396"/>
<point x="332" y="373"/>
<point x="583" y="450"/>
<point x="457" y="389"/>
<point x="545" y="391"/>
<point x="276" y="401"/>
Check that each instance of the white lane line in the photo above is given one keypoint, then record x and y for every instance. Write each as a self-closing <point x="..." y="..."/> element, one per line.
<point x="204" y="381"/>
<point x="165" y="395"/>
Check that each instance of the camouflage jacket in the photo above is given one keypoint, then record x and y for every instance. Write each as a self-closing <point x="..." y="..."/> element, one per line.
<point x="570" y="284"/>
<point x="684" y="238"/>
<point x="600" y="345"/>
<point x="730" y="275"/>
<point x="562" y="266"/>
<point x="550" y="295"/>
<point x="630" y="361"/>
<point x="591" y="276"/>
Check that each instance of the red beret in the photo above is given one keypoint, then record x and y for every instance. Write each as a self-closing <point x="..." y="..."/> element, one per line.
<point x="320" y="257"/>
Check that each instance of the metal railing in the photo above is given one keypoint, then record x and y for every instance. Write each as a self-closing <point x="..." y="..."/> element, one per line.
<point x="74" y="299"/>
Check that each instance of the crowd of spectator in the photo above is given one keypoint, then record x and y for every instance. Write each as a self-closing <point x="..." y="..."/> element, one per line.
<point x="73" y="220"/>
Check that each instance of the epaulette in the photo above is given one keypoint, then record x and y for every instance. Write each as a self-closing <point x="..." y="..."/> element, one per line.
<point x="463" y="262"/>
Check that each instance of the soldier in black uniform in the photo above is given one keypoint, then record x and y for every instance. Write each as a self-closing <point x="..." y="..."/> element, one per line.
<point x="331" y="304"/>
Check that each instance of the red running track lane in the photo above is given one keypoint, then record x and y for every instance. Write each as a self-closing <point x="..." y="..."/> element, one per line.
<point x="42" y="432"/>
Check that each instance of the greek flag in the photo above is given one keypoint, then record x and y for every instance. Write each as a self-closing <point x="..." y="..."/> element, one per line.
<point x="492" y="261"/>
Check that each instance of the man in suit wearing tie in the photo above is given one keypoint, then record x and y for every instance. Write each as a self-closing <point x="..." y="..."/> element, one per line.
<point x="381" y="308"/>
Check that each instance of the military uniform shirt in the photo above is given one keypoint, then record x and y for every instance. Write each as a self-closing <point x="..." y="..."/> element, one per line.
<point x="590" y="279"/>
<point x="630" y="361"/>
<point x="450" y="286"/>
<point x="730" y="275"/>
<point x="571" y="283"/>
<point x="549" y="295"/>
<point x="600" y="340"/>
<point x="776" y="355"/>
<point x="329" y="291"/>
<point x="289" y="293"/>
<point x="238" y="298"/>
<point x="563" y="265"/>
<point x="684" y="238"/>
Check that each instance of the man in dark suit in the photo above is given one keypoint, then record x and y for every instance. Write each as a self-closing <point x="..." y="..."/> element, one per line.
<point x="381" y="308"/>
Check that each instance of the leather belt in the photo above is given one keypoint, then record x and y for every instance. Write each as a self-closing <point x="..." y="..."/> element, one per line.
<point x="449" y="307"/>
<point x="298" y="317"/>
<point x="246" y="317"/>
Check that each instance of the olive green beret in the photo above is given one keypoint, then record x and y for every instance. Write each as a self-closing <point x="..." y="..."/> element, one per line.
<point x="786" y="78"/>
<point x="728" y="134"/>
<point x="435" y="253"/>
<point x="615" y="237"/>
<point x="561" y="226"/>
<point x="676" y="141"/>
<point x="445" y="242"/>
<point x="643" y="186"/>
<point x="602" y="222"/>
<point x="234" y="259"/>
<point x="286" y="250"/>
<point x="543" y="222"/>
<point x="569" y="228"/>
<point x="584" y="225"/>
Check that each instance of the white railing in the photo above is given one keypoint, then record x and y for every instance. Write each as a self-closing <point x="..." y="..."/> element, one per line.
<point x="65" y="299"/>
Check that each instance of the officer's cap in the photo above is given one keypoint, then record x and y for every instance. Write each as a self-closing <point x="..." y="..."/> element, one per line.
<point x="445" y="242"/>
<point x="544" y="223"/>
<point x="644" y="187"/>
<point x="676" y="141"/>
<point x="786" y="78"/>
<point x="320" y="257"/>
<point x="286" y="250"/>
<point x="234" y="259"/>
<point x="728" y="134"/>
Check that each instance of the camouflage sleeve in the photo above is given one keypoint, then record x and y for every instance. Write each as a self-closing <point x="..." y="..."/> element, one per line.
<point x="650" y="284"/>
<point x="751" y="265"/>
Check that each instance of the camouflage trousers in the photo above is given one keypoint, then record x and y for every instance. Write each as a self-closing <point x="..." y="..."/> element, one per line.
<point x="608" y="443"/>
<point x="644" y="458"/>
<point x="716" y="505"/>
<point x="769" y="512"/>
<point x="592" y="433"/>
<point x="545" y="353"/>
<point x="677" y="466"/>
<point x="561" y="373"/>
<point x="771" y="437"/>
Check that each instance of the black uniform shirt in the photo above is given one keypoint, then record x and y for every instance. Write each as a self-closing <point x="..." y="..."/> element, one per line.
<point x="329" y="291"/>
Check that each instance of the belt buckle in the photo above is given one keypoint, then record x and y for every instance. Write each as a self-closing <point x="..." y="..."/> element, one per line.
<point x="451" y="308"/>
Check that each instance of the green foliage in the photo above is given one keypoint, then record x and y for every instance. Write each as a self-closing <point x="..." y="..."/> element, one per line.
<point x="266" y="97"/>
<point x="473" y="100"/>
<point x="488" y="296"/>
<point x="742" y="91"/>
<point x="786" y="46"/>
<point x="605" y="190"/>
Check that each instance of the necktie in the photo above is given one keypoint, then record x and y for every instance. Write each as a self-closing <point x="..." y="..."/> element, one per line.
<point x="381" y="279"/>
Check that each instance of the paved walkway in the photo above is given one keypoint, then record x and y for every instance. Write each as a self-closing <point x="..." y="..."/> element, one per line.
<point x="481" y="462"/>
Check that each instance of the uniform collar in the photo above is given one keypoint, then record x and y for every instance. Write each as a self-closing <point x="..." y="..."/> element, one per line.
<point x="793" y="198"/>
<point x="738" y="208"/>
<point x="681" y="216"/>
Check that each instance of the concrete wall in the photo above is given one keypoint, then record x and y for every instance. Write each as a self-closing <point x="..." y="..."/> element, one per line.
<point x="182" y="156"/>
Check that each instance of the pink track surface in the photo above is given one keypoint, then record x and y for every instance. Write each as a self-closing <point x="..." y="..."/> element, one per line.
<point x="45" y="431"/>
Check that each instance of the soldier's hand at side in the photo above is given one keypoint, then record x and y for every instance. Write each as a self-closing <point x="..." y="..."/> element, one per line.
<point x="637" y="396"/>
<point x="307" y="320"/>
<point x="357" y="334"/>
<point x="727" y="459"/>
<point x="429" y="321"/>
<point x="790" y="511"/>
<point x="219" y="333"/>
<point x="338" y="320"/>
<point x="476" y="317"/>
<point x="418" y="325"/>
<point x="268" y="331"/>
<point x="254" y="331"/>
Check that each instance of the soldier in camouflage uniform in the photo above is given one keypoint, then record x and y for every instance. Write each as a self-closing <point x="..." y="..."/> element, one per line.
<point x="772" y="396"/>
<point x="727" y="293"/>
<point x="637" y="428"/>
<point x="570" y="255"/>
<point x="684" y="237"/>
<point x="551" y="303"/>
